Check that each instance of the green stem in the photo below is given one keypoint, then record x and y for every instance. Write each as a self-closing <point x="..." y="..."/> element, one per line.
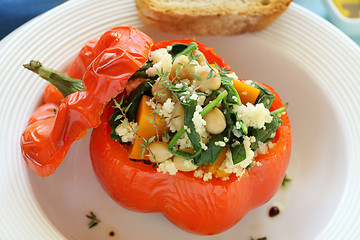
<point x="192" y="46"/>
<point x="65" y="84"/>
<point x="279" y="110"/>
<point x="193" y="135"/>
<point x="213" y="103"/>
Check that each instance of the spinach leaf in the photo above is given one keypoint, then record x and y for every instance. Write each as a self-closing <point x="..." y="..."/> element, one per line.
<point x="233" y="95"/>
<point x="135" y="97"/>
<point x="187" y="51"/>
<point x="113" y="124"/>
<point x="116" y="119"/>
<point x="265" y="96"/>
<point x="177" y="48"/>
<point x="238" y="153"/>
<point x="141" y="72"/>
<point x="213" y="151"/>
<point x="189" y="107"/>
<point x="264" y="134"/>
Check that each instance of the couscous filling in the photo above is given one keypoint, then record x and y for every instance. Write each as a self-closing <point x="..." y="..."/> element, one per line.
<point x="185" y="114"/>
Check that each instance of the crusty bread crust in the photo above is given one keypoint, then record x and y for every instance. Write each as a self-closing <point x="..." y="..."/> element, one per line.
<point x="202" y="17"/>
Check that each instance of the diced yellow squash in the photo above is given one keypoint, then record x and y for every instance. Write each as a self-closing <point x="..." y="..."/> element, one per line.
<point x="147" y="128"/>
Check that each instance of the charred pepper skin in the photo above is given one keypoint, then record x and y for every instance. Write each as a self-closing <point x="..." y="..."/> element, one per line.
<point x="45" y="142"/>
<point x="192" y="204"/>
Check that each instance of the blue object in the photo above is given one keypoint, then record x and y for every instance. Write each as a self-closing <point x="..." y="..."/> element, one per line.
<point x="14" y="13"/>
<point x="318" y="7"/>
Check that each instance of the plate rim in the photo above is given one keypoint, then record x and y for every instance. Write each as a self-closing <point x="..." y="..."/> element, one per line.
<point x="293" y="9"/>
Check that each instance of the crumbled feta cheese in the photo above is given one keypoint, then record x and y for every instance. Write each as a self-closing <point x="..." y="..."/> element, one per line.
<point x="235" y="144"/>
<point x="184" y="142"/>
<point x="126" y="131"/>
<point x="199" y="122"/>
<point x="178" y="86"/>
<point x="262" y="148"/>
<point x="194" y="96"/>
<point x="167" y="167"/>
<point x="220" y="144"/>
<point x="236" y="132"/>
<point x="232" y="75"/>
<point x="253" y="116"/>
<point x="271" y="145"/>
<point x="201" y="99"/>
<point x="228" y="165"/>
<point x="249" y="153"/>
<point x="167" y="108"/>
<point x="198" y="173"/>
<point x="162" y="61"/>
<point x="151" y="104"/>
<point x="207" y="176"/>
<point x="249" y="82"/>
<point x="203" y="146"/>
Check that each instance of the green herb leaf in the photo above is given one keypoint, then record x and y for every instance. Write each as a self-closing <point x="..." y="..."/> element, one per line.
<point x="135" y="97"/>
<point x="189" y="109"/>
<point x="238" y="153"/>
<point x="93" y="220"/>
<point x="222" y="70"/>
<point x="265" y="96"/>
<point x="187" y="51"/>
<point x="233" y="96"/>
<point x="115" y="119"/>
<point x="176" y="48"/>
<point x="129" y="107"/>
<point x="196" y="77"/>
<point x="285" y="181"/>
<point x="141" y="72"/>
<point x="213" y="151"/>
<point x="264" y="134"/>
<point x="280" y="110"/>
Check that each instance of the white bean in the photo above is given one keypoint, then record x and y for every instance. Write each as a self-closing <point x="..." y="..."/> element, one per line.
<point x="215" y="121"/>
<point x="182" y="69"/>
<point x="201" y="59"/>
<point x="184" y="164"/>
<point x="178" y="120"/>
<point x="159" y="152"/>
<point x="212" y="83"/>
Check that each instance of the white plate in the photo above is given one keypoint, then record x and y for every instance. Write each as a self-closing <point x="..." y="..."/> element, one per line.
<point x="309" y="62"/>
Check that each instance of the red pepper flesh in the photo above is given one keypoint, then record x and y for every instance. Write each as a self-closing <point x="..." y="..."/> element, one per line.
<point x="190" y="203"/>
<point x="45" y="143"/>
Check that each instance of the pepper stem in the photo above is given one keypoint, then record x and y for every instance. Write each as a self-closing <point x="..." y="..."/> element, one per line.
<point x="65" y="84"/>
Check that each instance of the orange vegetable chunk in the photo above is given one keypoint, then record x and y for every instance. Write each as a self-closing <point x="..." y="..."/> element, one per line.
<point x="246" y="92"/>
<point x="146" y="128"/>
<point x="214" y="169"/>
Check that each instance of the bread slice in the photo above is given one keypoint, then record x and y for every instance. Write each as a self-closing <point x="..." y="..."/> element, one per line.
<point x="210" y="17"/>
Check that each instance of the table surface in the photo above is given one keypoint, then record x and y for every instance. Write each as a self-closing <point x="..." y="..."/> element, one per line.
<point x="14" y="13"/>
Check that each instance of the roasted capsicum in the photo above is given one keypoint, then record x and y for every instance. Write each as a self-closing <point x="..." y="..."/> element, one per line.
<point x="198" y="206"/>
<point x="105" y="66"/>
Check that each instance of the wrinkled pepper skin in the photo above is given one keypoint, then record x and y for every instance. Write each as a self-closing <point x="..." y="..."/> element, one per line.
<point x="45" y="142"/>
<point x="192" y="204"/>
